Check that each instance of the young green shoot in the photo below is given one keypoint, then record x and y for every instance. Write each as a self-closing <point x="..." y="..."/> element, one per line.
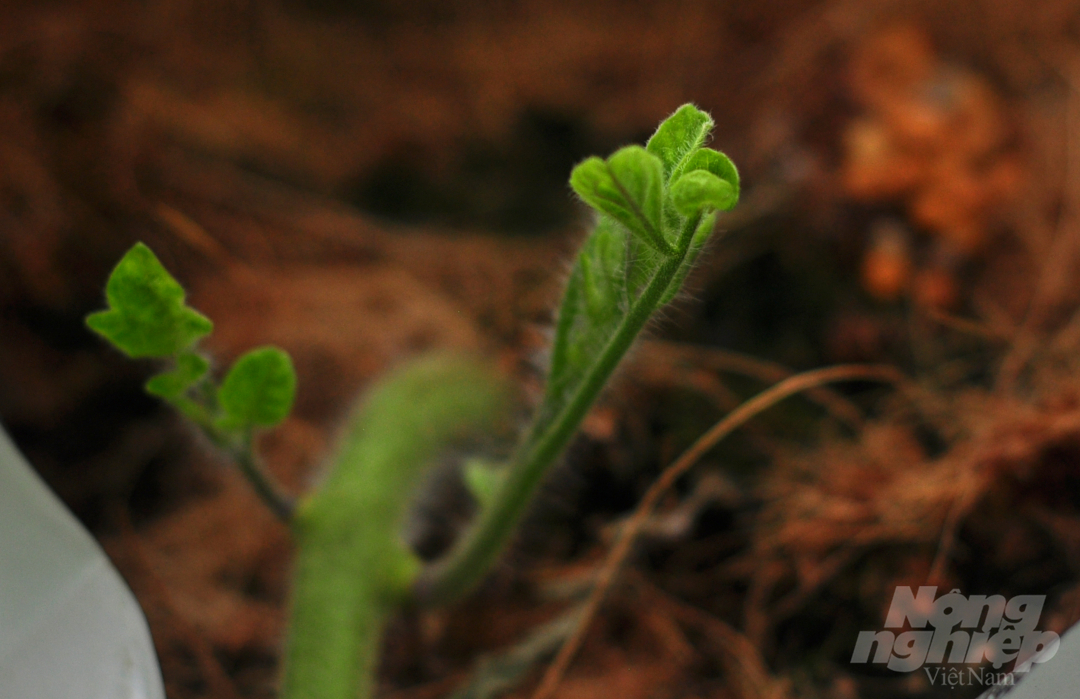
<point x="655" y="209"/>
<point x="148" y="318"/>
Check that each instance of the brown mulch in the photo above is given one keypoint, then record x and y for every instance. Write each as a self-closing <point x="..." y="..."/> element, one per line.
<point x="361" y="184"/>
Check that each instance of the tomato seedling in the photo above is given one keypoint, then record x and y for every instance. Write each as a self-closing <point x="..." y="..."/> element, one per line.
<point x="655" y="209"/>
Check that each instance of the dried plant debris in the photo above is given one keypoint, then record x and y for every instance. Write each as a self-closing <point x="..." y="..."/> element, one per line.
<point x="223" y="134"/>
<point x="972" y="490"/>
<point x="935" y="138"/>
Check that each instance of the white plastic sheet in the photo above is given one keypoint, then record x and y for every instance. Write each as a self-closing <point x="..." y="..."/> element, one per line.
<point x="69" y="626"/>
<point x="1056" y="678"/>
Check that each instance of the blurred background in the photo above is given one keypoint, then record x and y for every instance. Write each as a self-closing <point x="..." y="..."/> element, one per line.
<point x="359" y="182"/>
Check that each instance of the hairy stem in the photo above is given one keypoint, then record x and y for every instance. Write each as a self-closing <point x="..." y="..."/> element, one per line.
<point x="353" y="567"/>
<point x="455" y="575"/>
<point x="337" y="620"/>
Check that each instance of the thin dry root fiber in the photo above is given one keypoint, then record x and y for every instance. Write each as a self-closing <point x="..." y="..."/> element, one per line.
<point x="1006" y="465"/>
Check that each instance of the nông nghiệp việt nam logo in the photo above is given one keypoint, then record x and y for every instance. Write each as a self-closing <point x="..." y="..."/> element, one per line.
<point x="953" y="637"/>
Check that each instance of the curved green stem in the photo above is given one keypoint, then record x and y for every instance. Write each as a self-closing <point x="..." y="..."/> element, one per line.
<point x="353" y="568"/>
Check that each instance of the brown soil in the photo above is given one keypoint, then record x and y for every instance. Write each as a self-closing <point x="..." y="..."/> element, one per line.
<point x="361" y="184"/>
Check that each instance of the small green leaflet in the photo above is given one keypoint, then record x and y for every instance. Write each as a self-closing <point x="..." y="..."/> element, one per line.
<point x="190" y="367"/>
<point x="699" y="191"/>
<point x="710" y="183"/>
<point x="629" y="187"/>
<point x="483" y="480"/>
<point x="718" y="164"/>
<point x="259" y="389"/>
<point x="147" y="316"/>
<point x="679" y="136"/>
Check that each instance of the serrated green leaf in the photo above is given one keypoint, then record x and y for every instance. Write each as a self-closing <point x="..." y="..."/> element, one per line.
<point x="629" y="188"/>
<point x="190" y="367"/>
<point x="701" y="191"/>
<point x="147" y="316"/>
<point x="678" y="137"/>
<point x="717" y="163"/>
<point x="259" y="389"/>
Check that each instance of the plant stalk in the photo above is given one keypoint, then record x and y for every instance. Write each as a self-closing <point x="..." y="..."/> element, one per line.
<point x="263" y="483"/>
<point x="469" y="561"/>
